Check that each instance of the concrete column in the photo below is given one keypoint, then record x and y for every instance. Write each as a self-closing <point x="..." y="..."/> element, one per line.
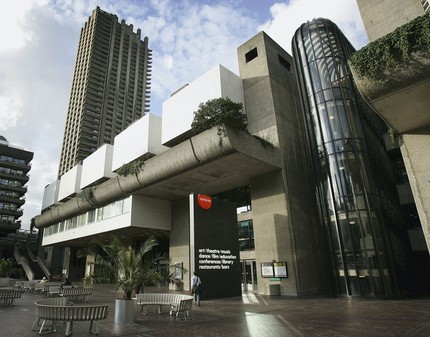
<point x="179" y="250"/>
<point x="416" y="155"/>
<point x="66" y="262"/>
<point x="285" y="229"/>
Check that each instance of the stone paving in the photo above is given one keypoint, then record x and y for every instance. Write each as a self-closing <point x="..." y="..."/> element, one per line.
<point x="249" y="315"/>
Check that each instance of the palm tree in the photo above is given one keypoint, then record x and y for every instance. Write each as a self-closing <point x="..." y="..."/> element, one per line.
<point x="127" y="267"/>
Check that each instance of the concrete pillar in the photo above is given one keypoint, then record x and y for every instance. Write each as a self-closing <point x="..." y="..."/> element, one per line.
<point x="416" y="155"/>
<point x="179" y="250"/>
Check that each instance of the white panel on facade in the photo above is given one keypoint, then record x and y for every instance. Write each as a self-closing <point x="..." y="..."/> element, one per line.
<point x="70" y="182"/>
<point x="178" y="110"/>
<point x="143" y="212"/>
<point x="50" y="194"/>
<point x="97" y="166"/>
<point x="140" y="138"/>
<point x="99" y="227"/>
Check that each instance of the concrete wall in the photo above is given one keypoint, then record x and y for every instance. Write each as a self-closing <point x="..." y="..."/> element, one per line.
<point x="281" y="236"/>
<point x="257" y="89"/>
<point x="179" y="250"/>
<point x="150" y="212"/>
<point x="416" y="155"/>
<point x="284" y="207"/>
<point x="381" y="17"/>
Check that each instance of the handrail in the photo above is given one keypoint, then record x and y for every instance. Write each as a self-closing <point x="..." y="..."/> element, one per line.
<point x="40" y="262"/>
<point x="22" y="260"/>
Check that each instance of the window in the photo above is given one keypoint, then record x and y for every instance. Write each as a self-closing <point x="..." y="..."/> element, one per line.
<point x="246" y="235"/>
<point x="252" y="54"/>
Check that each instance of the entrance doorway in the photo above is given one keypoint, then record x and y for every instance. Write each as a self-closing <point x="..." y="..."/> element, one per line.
<point x="249" y="276"/>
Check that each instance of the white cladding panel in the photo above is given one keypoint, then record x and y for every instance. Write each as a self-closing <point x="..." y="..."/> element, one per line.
<point x="144" y="212"/>
<point x="70" y="182"/>
<point x="140" y="138"/>
<point x="178" y="110"/>
<point x="50" y="194"/>
<point x="98" y="165"/>
<point x="99" y="227"/>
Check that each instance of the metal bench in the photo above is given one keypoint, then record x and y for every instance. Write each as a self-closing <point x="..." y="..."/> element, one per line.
<point x="59" y="309"/>
<point x="183" y="309"/>
<point x="9" y="294"/>
<point x="174" y="301"/>
<point x="76" y="293"/>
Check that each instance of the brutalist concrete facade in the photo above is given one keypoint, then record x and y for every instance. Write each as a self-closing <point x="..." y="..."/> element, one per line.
<point x="275" y="165"/>
<point x="285" y="216"/>
<point x="381" y="17"/>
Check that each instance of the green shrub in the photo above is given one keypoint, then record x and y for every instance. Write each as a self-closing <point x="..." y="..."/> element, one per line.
<point x="393" y="50"/>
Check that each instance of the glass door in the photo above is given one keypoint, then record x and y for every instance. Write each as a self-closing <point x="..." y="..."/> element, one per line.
<point x="249" y="276"/>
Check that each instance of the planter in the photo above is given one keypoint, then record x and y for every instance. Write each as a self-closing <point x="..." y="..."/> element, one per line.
<point x="400" y="96"/>
<point x="125" y="311"/>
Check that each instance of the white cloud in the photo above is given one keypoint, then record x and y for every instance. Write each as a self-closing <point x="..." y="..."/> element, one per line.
<point x="12" y="34"/>
<point x="195" y="37"/>
<point x="9" y="111"/>
<point x="287" y="18"/>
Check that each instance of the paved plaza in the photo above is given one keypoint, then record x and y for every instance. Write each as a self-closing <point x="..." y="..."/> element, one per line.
<point x="250" y="315"/>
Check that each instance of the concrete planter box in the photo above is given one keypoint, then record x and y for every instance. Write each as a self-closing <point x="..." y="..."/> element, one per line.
<point x="400" y="96"/>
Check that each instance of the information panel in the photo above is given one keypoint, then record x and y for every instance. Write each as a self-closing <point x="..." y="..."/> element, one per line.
<point x="274" y="269"/>
<point x="267" y="269"/>
<point x="216" y="247"/>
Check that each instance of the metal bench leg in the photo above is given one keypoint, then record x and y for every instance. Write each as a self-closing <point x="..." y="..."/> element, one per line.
<point x="36" y="324"/>
<point x="94" y="331"/>
<point x="69" y="328"/>
<point x="51" y="328"/>
<point x="160" y="309"/>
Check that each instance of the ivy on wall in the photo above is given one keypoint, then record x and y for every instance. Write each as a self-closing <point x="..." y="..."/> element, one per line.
<point x="133" y="167"/>
<point x="87" y="194"/>
<point x="393" y="50"/>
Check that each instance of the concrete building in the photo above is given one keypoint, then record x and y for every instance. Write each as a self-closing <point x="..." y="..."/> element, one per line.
<point x="381" y="17"/>
<point x="402" y="101"/>
<point x="14" y="168"/>
<point x="317" y="209"/>
<point x="266" y="169"/>
<point x="110" y="88"/>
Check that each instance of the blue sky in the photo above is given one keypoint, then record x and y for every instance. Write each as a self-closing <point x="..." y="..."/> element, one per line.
<point x="39" y="39"/>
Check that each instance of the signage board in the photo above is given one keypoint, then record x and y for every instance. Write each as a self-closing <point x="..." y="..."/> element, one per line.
<point x="215" y="243"/>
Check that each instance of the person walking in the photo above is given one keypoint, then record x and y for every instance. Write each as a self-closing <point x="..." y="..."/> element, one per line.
<point x="196" y="287"/>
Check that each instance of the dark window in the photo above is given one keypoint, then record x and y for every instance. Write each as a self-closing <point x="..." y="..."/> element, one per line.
<point x="252" y="54"/>
<point x="284" y="62"/>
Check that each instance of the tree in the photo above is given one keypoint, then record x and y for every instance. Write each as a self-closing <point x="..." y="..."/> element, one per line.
<point x="219" y="112"/>
<point x="6" y="267"/>
<point x="127" y="267"/>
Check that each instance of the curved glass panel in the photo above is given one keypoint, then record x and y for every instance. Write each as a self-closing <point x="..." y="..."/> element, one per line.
<point x="340" y="132"/>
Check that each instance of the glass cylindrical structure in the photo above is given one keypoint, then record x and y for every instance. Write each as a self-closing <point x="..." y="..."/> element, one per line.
<point x="352" y="170"/>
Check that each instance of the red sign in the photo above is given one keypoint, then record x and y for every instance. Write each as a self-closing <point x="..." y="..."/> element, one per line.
<point x="204" y="201"/>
